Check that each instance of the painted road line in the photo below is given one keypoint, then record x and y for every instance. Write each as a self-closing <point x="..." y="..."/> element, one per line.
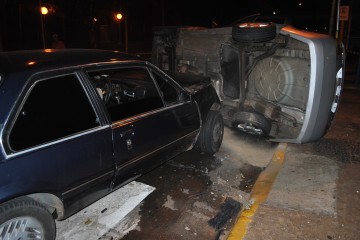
<point x="259" y="193"/>
<point x="97" y="219"/>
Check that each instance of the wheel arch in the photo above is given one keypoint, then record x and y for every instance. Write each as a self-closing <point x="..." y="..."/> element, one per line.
<point x="216" y="106"/>
<point x="207" y="100"/>
<point x="212" y="132"/>
<point x="204" y="108"/>
<point x="51" y="202"/>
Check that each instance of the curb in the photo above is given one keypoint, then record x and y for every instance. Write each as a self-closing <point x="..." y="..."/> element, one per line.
<point x="259" y="193"/>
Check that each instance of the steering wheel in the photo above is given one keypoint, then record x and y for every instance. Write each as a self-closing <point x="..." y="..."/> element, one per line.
<point x="103" y="85"/>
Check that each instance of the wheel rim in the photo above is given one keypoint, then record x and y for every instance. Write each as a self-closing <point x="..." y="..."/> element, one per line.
<point x="249" y="128"/>
<point x="21" y="228"/>
<point x="217" y="132"/>
<point x="253" y="25"/>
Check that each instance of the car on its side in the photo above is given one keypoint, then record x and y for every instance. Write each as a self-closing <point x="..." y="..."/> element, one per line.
<point x="273" y="79"/>
<point x="78" y="124"/>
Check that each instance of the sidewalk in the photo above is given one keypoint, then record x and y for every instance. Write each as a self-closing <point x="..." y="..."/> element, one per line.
<point x="317" y="192"/>
<point x="314" y="197"/>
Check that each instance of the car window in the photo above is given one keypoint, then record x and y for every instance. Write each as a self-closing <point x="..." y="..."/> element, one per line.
<point x="126" y="92"/>
<point x="53" y="109"/>
<point x="168" y="91"/>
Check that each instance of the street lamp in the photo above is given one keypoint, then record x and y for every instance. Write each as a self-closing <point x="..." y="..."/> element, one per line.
<point x="119" y="18"/>
<point x="43" y="11"/>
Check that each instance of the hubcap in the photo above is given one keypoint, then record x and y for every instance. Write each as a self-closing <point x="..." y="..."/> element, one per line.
<point x="22" y="228"/>
<point x="249" y="128"/>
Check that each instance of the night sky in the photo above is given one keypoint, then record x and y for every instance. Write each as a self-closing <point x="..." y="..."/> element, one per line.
<point x="74" y="21"/>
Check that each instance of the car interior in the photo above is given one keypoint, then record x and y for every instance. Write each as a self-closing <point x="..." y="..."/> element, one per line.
<point x="126" y="92"/>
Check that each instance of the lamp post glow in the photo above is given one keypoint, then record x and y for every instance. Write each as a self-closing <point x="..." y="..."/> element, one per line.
<point x="119" y="16"/>
<point x="43" y="11"/>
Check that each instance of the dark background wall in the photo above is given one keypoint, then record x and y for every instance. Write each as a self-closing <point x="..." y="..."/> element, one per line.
<point x="74" y="21"/>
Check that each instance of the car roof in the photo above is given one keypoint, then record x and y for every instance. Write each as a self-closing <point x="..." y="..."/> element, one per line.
<point x="32" y="61"/>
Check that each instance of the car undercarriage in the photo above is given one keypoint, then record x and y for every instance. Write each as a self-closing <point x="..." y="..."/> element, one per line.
<point x="263" y="73"/>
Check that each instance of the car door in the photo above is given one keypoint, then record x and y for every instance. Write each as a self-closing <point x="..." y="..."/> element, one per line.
<point x="61" y="144"/>
<point x="147" y="129"/>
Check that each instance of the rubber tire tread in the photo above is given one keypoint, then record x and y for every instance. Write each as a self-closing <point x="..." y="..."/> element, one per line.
<point x="254" y="118"/>
<point x="25" y="206"/>
<point x="255" y="34"/>
<point x="205" y="142"/>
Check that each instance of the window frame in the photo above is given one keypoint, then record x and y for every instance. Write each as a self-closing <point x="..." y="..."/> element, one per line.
<point x="184" y="96"/>
<point x="171" y="82"/>
<point x="127" y="65"/>
<point x="22" y="98"/>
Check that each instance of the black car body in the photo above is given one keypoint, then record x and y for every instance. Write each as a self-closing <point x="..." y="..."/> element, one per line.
<point x="77" y="124"/>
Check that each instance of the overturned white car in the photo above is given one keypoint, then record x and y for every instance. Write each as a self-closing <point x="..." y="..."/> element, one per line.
<point x="273" y="80"/>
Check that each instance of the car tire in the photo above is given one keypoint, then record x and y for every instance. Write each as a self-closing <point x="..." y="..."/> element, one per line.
<point x="212" y="133"/>
<point x="253" y="32"/>
<point x="253" y="123"/>
<point x="24" y="218"/>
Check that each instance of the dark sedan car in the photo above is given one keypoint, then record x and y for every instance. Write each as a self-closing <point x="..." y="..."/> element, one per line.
<point x="77" y="124"/>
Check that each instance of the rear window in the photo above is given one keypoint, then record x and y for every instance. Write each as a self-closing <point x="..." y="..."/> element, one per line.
<point x="54" y="108"/>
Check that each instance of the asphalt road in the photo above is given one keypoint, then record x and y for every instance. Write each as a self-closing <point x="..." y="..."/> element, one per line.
<point x="193" y="196"/>
<point x="197" y="196"/>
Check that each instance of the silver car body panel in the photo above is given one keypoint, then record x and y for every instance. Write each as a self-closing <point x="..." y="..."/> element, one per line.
<point x="322" y="80"/>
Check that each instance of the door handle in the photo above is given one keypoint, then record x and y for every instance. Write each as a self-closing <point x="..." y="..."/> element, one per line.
<point x="127" y="132"/>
